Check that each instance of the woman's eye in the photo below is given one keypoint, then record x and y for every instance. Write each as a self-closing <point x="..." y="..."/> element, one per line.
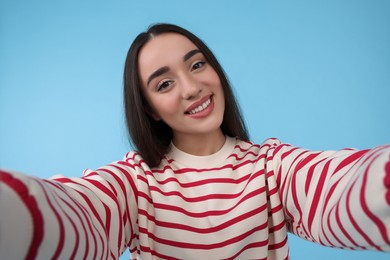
<point x="163" y="85"/>
<point x="198" y="65"/>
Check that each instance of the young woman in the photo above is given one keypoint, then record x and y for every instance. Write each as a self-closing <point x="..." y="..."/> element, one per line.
<point x="196" y="188"/>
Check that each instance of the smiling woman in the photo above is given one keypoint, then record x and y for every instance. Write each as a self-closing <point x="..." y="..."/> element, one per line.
<point x="196" y="187"/>
<point x="168" y="73"/>
<point x="189" y="83"/>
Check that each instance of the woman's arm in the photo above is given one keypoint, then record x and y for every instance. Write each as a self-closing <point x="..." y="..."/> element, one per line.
<point x="340" y="199"/>
<point x="77" y="218"/>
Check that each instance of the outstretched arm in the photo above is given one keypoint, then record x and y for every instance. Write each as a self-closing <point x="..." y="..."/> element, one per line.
<point x="76" y="218"/>
<point x="339" y="199"/>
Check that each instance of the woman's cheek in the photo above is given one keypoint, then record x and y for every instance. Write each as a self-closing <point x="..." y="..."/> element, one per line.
<point x="168" y="106"/>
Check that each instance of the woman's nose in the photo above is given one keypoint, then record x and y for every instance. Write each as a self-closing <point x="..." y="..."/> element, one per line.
<point x="190" y="88"/>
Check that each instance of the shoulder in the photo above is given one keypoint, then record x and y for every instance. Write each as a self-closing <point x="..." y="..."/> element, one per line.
<point x="136" y="160"/>
<point x="133" y="157"/>
<point x="253" y="151"/>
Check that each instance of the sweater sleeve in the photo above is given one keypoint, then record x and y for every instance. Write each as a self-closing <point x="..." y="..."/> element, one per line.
<point x="90" y="217"/>
<point x="335" y="198"/>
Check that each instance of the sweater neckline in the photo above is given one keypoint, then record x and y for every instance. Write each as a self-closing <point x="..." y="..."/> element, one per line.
<point x="201" y="162"/>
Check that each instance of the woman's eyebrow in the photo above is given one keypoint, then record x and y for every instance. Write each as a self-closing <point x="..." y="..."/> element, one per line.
<point x="157" y="73"/>
<point x="165" y="69"/>
<point x="190" y="54"/>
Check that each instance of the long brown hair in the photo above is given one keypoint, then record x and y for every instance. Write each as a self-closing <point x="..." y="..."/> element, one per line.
<point x="152" y="138"/>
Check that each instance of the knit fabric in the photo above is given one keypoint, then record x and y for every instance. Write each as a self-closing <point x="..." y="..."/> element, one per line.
<point x="238" y="203"/>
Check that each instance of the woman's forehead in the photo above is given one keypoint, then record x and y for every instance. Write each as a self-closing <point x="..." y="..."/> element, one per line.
<point x="163" y="50"/>
<point x="164" y="45"/>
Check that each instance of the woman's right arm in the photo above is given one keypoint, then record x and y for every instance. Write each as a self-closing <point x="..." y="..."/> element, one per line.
<point x="90" y="217"/>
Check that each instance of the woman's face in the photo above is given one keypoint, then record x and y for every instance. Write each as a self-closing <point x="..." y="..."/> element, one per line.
<point x="180" y="86"/>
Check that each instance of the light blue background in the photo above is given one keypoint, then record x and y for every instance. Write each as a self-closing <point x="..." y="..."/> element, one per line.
<point x="312" y="73"/>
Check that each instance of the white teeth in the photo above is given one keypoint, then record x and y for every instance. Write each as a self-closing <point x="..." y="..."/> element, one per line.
<point x="201" y="107"/>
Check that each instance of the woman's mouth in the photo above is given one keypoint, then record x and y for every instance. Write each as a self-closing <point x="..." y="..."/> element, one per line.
<point x="201" y="107"/>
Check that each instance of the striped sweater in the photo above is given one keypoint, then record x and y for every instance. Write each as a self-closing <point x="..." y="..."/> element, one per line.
<point x="238" y="203"/>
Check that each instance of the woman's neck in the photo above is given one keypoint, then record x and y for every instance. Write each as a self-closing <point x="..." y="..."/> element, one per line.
<point x="200" y="144"/>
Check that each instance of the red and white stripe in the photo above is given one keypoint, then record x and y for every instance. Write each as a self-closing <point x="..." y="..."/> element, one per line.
<point x="239" y="205"/>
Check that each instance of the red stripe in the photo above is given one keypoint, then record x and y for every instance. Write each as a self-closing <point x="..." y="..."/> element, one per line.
<point x="313" y="206"/>
<point x="328" y="241"/>
<point x="378" y="222"/>
<point x="289" y="151"/>
<point x="353" y="221"/>
<point x="31" y="204"/>
<point x="77" y="233"/>
<point x="318" y="194"/>
<point x="202" y="214"/>
<point x="350" y="159"/>
<point x="207" y="230"/>
<point x="61" y="234"/>
<point x="118" y="181"/>
<point x="107" y="214"/>
<point x="344" y="163"/>
<point x="340" y="225"/>
<point x="227" y="166"/>
<point x="251" y="146"/>
<point x="347" y="161"/>
<point x="247" y="153"/>
<point x="99" y="185"/>
<point x="289" y="180"/>
<point x="278" y="245"/>
<point x="155" y="253"/>
<point x="85" y="211"/>
<point x="275" y="209"/>
<point x="90" y="220"/>
<point x="133" y="249"/>
<point x="129" y="175"/>
<point x="212" y="196"/>
<point x="199" y="183"/>
<point x="126" y="193"/>
<point x="104" y="189"/>
<point x="294" y="195"/>
<point x="129" y="163"/>
<point x="302" y="164"/>
<point x="277" y="227"/>
<point x="348" y="208"/>
<point x="249" y="246"/>
<point x="205" y="246"/>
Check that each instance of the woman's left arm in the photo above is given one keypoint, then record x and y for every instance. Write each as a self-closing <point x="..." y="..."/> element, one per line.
<point x="336" y="198"/>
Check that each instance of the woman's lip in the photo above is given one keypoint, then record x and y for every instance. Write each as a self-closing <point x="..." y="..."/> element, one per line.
<point x="197" y="103"/>
<point x="205" y="112"/>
